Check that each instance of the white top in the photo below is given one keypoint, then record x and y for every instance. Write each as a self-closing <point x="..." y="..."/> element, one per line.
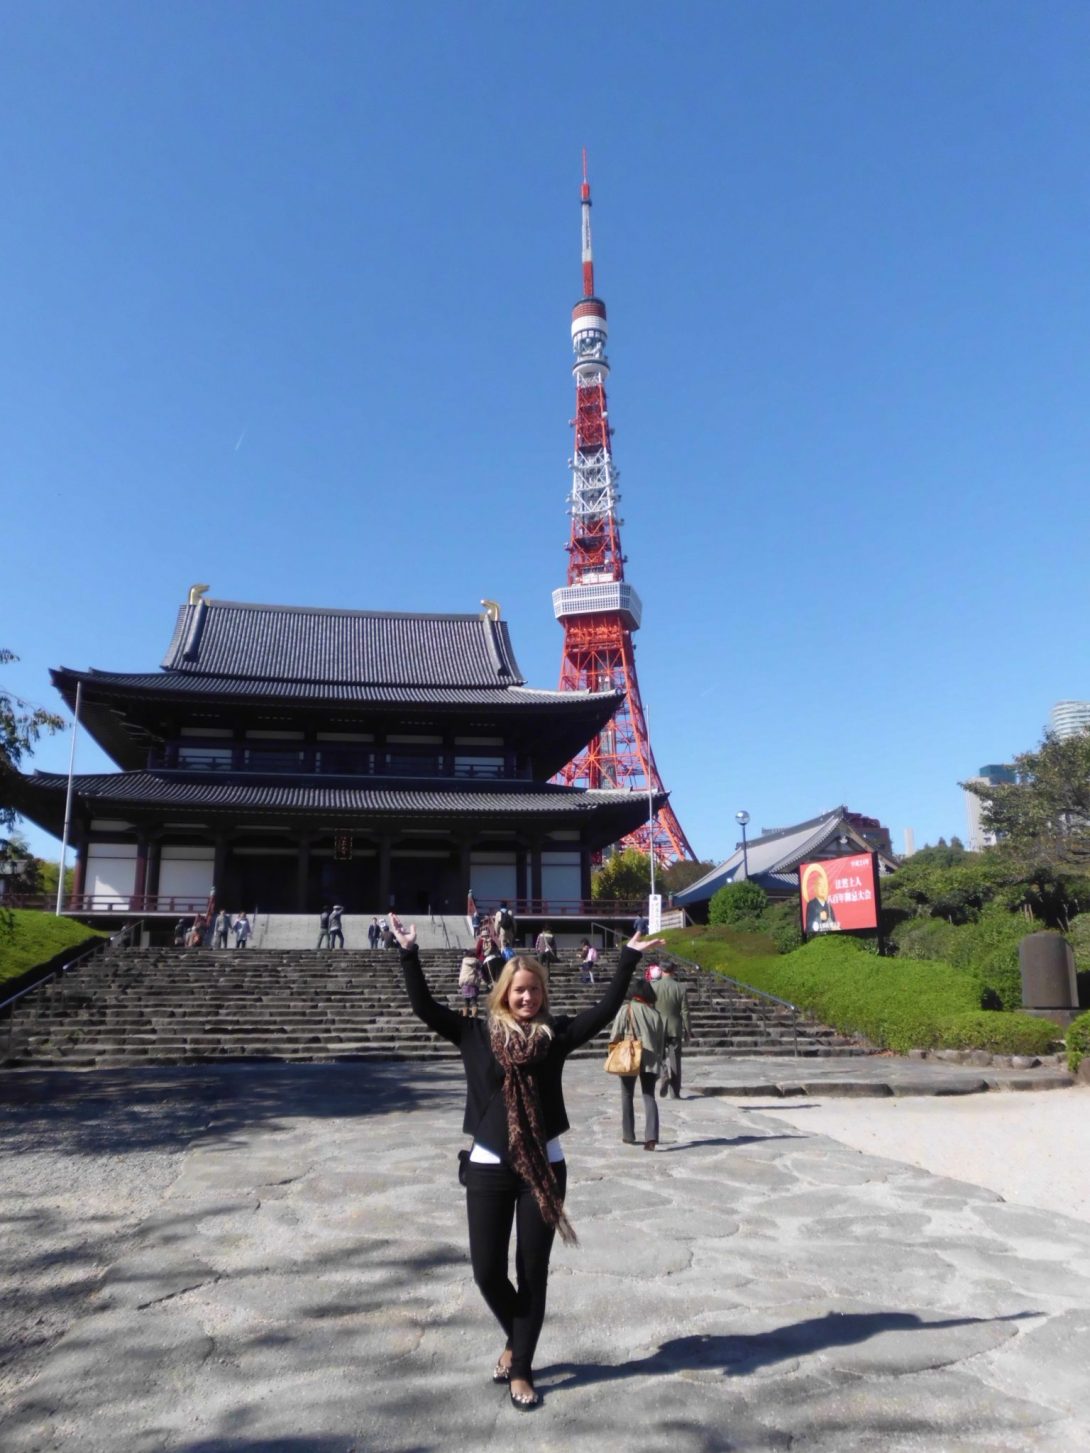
<point x="479" y="1155"/>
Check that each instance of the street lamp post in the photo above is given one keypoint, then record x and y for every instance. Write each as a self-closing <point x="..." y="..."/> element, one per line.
<point x="742" y="818"/>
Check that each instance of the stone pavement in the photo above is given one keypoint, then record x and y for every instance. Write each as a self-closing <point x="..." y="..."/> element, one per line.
<point x="273" y="1258"/>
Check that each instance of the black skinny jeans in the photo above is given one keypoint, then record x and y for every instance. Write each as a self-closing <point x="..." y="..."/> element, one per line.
<point x="495" y="1198"/>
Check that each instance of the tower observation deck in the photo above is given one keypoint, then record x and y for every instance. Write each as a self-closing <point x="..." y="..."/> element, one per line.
<point x="598" y="609"/>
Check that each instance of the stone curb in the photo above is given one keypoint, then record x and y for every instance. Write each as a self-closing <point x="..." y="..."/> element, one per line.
<point x="884" y="1089"/>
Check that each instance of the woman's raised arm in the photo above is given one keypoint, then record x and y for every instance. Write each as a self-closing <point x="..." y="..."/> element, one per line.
<point x="588" y="1022"/>
<point x="424" y="1005"/>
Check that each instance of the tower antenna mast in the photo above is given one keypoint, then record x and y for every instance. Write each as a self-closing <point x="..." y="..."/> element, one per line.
<point x="598" y="609"/>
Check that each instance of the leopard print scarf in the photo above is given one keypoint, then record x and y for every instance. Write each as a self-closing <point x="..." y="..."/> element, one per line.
<point x="516" y="1052"/>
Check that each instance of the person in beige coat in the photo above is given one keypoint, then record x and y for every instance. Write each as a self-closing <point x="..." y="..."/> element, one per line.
<point x="640" y="1017"/>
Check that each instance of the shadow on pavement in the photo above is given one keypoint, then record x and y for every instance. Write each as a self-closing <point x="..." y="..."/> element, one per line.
<point x="735" y="1355"/>
<point x="93" y="1112"/>
<point x="734" y="1140"/>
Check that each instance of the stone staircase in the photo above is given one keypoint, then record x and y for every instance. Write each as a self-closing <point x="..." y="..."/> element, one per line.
<point x="174" y="1006"/>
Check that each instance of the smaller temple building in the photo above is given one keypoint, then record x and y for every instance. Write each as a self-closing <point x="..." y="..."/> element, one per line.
<point x="286" y="757"/>
<point x="772" y="859"/>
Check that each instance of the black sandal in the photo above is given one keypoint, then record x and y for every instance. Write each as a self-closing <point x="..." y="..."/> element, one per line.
<point x="523" y="1404"/>
<point x="500" y="1373"/>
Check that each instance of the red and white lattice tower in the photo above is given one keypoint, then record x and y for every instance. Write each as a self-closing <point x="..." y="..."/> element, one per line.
<point x="598" y="609"/>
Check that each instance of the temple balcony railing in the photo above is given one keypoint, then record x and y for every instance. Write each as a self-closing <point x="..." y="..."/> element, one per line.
<point x="627" y="909"/>
<point x="167" y="904"/>
<point x="323" y="759"/>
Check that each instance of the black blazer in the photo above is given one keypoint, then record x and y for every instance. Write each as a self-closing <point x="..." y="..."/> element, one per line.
<point x="485" y="1116"/>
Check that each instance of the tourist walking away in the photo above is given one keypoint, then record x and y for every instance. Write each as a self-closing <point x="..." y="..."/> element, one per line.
<point x="336" y="933"/>
<point x="672" y="1002"/>
<point x="179" y="933"/>
<point x="223" y="927"/>
<point x="641" y="1020"/>
<point x="323" y="927"/>
<point x="515" y="1174"/>
<point x="374" y="933"/>
<point x="588" y="961"/>
<point x="195" y="937"/>
<point x="492" y="964"/>
<point x="469" y="984"/>
<point x="545" y="946"/>
<point x="504" y="925"/>
<point x="242" y="931"/>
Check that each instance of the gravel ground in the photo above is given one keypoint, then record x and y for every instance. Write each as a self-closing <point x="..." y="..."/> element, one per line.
<point x="1032" y="1148"/>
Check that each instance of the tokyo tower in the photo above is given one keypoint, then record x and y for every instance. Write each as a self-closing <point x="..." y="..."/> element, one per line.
<point x="598" y="608"/>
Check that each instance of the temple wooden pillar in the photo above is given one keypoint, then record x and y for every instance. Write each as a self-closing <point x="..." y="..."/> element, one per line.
<point x="384" y="844"/>
<point x="138" y="901"/>
<point x="302" y="877"/>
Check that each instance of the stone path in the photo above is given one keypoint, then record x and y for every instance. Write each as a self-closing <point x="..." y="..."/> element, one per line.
<point x="273" y="1259"/>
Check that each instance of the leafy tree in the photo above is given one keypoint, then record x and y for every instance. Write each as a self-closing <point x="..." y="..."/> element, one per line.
<point x="624" y="875"/>
<point x="681" y="875"/>
<point x="47" y="875"/>
<point x="27" y="877"/>
<point x="941" y="855"/>
<point x="936" y="883"/>
<point x="20" y="727"/>
<point x="1044" y="816"/>
<point x="740" y="904"/>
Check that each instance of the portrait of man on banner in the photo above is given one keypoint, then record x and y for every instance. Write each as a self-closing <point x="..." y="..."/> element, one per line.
<point x="818" y="915"/>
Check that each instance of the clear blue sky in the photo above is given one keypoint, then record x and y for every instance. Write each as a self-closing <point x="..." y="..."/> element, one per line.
<point x="286" y="294"/>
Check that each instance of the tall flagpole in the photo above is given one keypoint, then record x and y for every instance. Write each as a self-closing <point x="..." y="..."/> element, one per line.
<point x="68" y="799"/>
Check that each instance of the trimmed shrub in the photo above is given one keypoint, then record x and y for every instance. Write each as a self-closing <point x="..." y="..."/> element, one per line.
<point x="898" y="1004"/>
<point x="781" y="921"/>
<point x="924" y="938"/>
<point x="738" y="903"/>
<point x="1000" y="1033"/>
<point x="1000" y="978"/>
<point x="1078" y="1041"/>
<point x="996" y="928"/>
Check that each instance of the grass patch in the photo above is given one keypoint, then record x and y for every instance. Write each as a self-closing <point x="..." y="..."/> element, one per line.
<point x="897" y="1004"/>
<point x="35" y="938"/>
<point x="1078" y="1042"/>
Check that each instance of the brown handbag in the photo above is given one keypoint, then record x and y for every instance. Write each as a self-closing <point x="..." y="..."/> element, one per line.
<point x="623" y="1056"/>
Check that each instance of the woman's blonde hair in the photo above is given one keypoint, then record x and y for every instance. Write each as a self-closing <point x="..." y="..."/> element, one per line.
<point x="497" y="1001"/>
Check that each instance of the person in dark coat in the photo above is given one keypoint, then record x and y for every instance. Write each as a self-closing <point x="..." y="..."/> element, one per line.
<point x="515" y="1174"/>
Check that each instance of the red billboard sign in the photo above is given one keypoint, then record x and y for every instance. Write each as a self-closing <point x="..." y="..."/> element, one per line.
<point x="839" y="893"/>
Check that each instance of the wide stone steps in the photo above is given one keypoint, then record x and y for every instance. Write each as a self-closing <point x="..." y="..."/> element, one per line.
<point x="171" y="1006"/>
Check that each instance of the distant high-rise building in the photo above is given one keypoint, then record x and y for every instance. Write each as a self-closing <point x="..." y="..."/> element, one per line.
<point x="995" y="774"/>
<point x="1069" y="718"/>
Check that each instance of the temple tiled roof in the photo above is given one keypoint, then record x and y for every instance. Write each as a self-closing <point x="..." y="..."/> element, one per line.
<point x="774" y="857"/>
<point x="342" y="647"/>
<point x="177" y="790"/>
<point x="158" y="683"/>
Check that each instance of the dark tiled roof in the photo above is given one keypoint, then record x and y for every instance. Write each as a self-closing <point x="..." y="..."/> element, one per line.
<point x="157" y="683"/>
<point x="341" y="647"/>
<point x="774" y="857"/>
<point x="186" y="790"/>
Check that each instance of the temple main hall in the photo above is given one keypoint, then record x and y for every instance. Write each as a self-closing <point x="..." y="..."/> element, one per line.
<point x="284" y="757"/>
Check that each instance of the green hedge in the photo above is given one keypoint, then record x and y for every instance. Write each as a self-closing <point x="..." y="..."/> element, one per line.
<point x="897" y="1004"/>
<point x="924" y="938"/>
<point x="1078" y="1041"/>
